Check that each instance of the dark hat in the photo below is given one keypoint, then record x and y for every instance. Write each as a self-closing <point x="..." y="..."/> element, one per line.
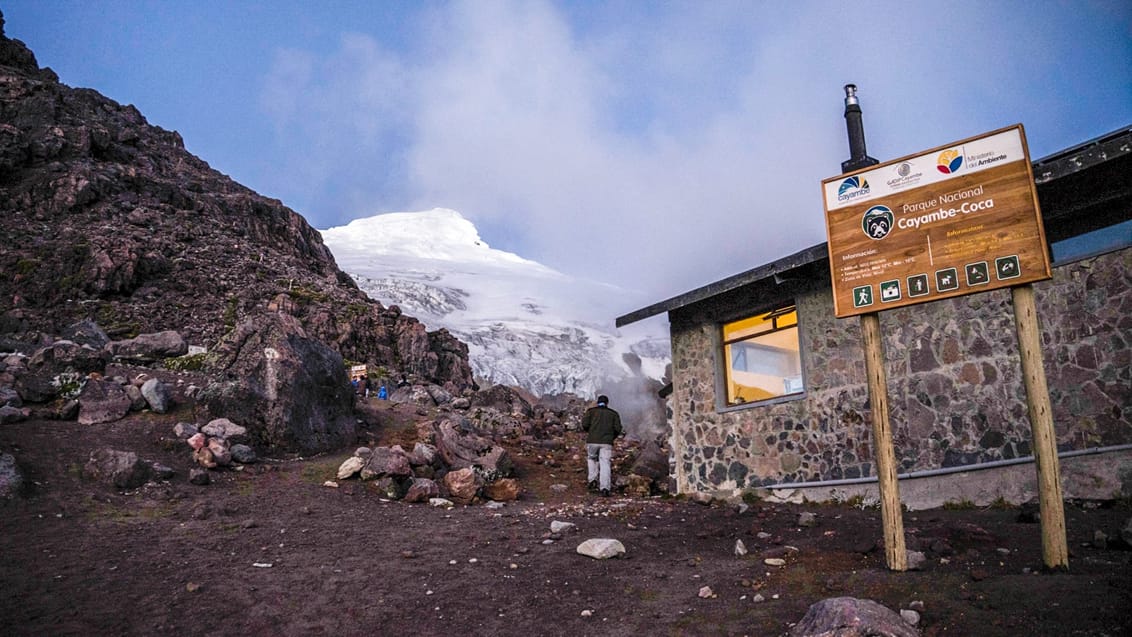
<point x="603" y="400"/>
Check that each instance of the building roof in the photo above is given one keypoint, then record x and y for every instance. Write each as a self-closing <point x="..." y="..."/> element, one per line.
<point x="1063" y="211"/>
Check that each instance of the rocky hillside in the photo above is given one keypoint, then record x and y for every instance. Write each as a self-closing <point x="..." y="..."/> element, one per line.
<point x="108" y="218"/>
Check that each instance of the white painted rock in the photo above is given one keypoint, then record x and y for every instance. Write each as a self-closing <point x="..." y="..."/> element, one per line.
<point x="351" y="467"/>
<point x="601" y="548"/>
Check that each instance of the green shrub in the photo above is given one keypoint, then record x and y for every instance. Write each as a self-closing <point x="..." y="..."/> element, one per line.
<point x="186" y="363"/>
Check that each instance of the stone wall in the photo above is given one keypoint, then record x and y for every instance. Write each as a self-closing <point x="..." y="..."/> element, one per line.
<point x="955" y="388"/>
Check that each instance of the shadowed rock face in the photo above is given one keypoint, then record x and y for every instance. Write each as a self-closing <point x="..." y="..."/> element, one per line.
<point x="109" y="218"/>
<point x="291" y="392"/>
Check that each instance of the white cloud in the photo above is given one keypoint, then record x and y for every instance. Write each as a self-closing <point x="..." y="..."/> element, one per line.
<point x="660" y="151"/>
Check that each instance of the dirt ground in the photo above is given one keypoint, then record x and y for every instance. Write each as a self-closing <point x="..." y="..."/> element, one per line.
<point x="269" y="550"/>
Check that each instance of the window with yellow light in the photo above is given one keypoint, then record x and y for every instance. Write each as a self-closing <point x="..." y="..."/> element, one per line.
<point x="763" y="357"/>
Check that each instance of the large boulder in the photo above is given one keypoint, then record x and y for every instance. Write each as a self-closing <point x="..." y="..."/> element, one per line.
<point x="852" y="617"/>
<point x="651" y="463"/>
<point x="57" y="370"/>
<point x="149" y="347"/>
<point x="504" y="399"/>
<point x="86" y="332"/>
<point x="460" y="448"/>
<point x="462" y="485"/>
<point x="291" y="392"/>
<point x="158" y="395"/>
<point x="503" y="490"/>
<point x="387" y="462"/>
<point x="119" y="469"/>
<point x="102" y="401"/>
<point x="422" y="490"/>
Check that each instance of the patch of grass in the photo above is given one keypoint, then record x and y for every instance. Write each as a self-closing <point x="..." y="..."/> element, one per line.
<point x="305" y="296"/>
<point x="355" y="310"/>
<point x="959" y="505"/>
<point x="186" y="363"/>
<point x="129" y="515"/>
<point x="26" y="266"/>
<point x="232" y="305"/>
<point x="1002" y="504"/>
<point x="319" y="471"/>
<point x="245" y="487"/>
<point x="642" y="594"/>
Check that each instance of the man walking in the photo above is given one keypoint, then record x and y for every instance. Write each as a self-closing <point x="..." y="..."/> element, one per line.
<point x="602" y="426"/>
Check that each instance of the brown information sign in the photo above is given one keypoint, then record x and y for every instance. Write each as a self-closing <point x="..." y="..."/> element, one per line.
<point x="954" y="220"/>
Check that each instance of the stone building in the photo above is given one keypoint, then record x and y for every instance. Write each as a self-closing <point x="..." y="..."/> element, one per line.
<point x="957" y="402"/>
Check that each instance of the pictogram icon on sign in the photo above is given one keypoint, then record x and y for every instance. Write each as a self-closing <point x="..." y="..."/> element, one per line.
<point x="1007" y="267"/>
<point x="863" y="296"/>
<point x="977" y="273"/>
<point x="890" y="291"/>
<point x="947" y="279"/>
<point x="918" y="285"/>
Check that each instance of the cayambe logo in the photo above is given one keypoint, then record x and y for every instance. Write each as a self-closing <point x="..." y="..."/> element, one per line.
<point x="949" y="162"/>
<point x="852" y="187"/>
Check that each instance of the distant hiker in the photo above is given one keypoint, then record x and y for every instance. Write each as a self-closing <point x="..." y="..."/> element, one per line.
<point x="382" y="393"/>
<point x="354" y="384"/>
<point x="602" y="426"/>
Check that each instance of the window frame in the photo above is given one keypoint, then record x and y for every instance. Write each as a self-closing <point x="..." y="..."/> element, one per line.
<point x="723" y="371"/>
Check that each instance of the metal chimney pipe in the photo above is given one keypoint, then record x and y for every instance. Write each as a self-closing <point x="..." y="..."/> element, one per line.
<point x="855" y="126"/>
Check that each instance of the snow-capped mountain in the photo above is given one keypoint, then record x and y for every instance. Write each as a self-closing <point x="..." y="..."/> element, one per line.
<point x="525" y="324"/>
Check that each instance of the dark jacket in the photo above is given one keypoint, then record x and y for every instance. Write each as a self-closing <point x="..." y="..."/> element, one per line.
<point x="602" y="424"/>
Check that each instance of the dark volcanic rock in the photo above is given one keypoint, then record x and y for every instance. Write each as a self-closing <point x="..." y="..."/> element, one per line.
<point x="109" y="219"/>
<point x="460" y="448"/>
<point x="149" y="347"/>
<point x="504" y="399"/>
<point x="291" y="392"/>
<point x="120" y="469"/>
<point x="102" y="401"/>
<point x="851" y="617"/>
<point x="11" y="478"/>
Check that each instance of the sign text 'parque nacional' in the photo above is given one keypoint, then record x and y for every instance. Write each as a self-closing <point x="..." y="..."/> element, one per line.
<point x="955" y="220"/>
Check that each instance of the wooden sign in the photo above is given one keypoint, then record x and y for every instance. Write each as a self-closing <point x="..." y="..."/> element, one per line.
<point x="951" y="221"/>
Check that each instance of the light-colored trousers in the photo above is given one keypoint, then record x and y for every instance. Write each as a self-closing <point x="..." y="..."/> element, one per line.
<point x="597" y="462"/>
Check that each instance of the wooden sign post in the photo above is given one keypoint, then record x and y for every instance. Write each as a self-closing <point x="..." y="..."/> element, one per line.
<point x="891" y="515"/>
<point x="955" y="220"/>
<point x="1055" y="550"/>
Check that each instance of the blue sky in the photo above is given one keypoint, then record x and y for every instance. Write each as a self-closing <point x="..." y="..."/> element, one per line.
<point x="659" y="146"/>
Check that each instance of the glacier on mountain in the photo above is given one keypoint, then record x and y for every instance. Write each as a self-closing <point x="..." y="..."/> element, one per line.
<point x="525" y="324"/>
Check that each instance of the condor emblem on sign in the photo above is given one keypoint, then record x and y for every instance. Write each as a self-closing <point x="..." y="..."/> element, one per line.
<point x="877" y="222"/>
